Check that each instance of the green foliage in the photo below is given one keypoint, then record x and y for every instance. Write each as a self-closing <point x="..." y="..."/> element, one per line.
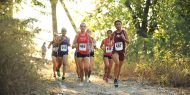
<point x="38" y="3"/>
<point x="103" y="17"/>
<point x="156" y="55"/>
<point x="18" y="74"/>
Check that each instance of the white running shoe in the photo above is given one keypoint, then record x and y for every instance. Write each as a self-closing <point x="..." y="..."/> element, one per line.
<point x="87" y="79"/>
<point x="78" y="79"/>
<point x="81" y="84"/>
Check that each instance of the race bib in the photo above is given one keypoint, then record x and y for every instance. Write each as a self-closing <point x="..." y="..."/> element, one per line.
<point x="55" y="49"/>
<point x="118" y="46"/>
<point x="108" y="49"/>
<point x="63" y="47"/>
<point x="82" y="46"/>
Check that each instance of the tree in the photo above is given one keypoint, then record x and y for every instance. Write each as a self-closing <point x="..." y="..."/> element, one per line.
<point x="54" y="16"/>
<point x="140" y="11"/>
<point x="6" y="8"/>
<point x="68" y="15"/>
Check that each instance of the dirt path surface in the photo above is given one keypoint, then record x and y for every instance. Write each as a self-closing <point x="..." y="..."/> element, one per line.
<point x="70" y="86"/>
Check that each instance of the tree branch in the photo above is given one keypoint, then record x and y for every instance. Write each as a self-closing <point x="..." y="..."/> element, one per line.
<point x="134" y="16"/>
<point x="144" y="19"/>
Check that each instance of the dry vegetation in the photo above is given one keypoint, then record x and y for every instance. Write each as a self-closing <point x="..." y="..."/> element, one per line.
<point x="173" y="71"/>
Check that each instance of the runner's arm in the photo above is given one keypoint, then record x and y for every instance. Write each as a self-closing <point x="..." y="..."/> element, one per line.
<point x="126" y="37"/>
<point x="50" y="44"/>
<point x="112" y="35"/>
<point x="102" y="44"/>
<point x="69" y="44"/>
<point x="94" y="43"/>
<point x="75" y="42"/>
<point x="59" y="40"/>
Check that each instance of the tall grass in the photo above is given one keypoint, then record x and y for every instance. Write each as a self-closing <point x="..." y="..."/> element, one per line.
<point x="157" y="64"/>
<point x="168" y="73"/>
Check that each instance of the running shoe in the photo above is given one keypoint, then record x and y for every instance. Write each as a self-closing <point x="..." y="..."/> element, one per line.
<point x="87" y="79"/>
<point x="54" y="76"/>
<point x="63" y="78"/>
<point x="78" y="79"/>
<point x="104" y="77"/>
<point x="116" y="83"/>
<point x="81" y="84"/>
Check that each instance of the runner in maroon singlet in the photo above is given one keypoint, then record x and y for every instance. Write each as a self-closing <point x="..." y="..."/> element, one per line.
<point x="120" y="38"/>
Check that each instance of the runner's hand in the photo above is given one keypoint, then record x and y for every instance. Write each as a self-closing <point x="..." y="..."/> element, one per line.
<point x="104" y="49"/>
<point x="76" y="45"/>
<point x="73" y="46"/>
<point x="123" y="37"/>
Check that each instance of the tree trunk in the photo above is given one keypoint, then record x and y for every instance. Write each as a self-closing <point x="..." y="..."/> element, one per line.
<point x="68" y="15"/>
<point x="145" y="16"/>
<point x="141" y="28"/>
<point x="54" y="16"/>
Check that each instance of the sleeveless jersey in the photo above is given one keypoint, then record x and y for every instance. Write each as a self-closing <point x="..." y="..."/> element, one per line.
<point x="54" y="47"/>
<point x="109" y="47"/>
<point x="83" y="43"/>
<point x="119" y="43"/>
<point x="63" y="47"/>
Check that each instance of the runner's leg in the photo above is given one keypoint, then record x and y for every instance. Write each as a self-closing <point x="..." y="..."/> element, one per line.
<point x="55" y="63"/>
<point x="110" y="67"/>
<point x="77" y="66"/>
<point x="120" y="65"/>
<point x="81" y="66"/>
<point x="65" y="61"/>
<point x="86" y="67"/>
<point x="60" y="62"/>
<point x="106" y="63"/>
<point x="115" y="57"/>
<point x="90" y="66"/>
<point x="121" y="60"/>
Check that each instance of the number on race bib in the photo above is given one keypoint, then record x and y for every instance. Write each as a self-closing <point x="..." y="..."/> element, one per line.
<point x="118" y="46"/>
<point x="63" y="47"/>
<point x="108" y="49"/>
<point x="82" y="47"/>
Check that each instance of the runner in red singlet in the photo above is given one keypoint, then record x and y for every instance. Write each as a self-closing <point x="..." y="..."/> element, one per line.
<point x="107" y="47"/>
<point x="81" y="42"/>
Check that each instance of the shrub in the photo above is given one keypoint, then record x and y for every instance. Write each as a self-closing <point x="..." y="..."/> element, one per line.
<point x="18" y="74"/>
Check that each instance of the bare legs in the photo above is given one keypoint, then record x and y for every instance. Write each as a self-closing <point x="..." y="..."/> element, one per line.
<point x="117" y="68"/>
<point x="63" y="61"/>
<point x="107" y="68"/>
<point x="90" y="66"/>
<point x="84" y="67"/>
<point x="55" y="64"/>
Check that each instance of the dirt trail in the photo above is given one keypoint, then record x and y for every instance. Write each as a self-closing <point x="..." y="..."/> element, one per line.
<point x="70" y="86"/>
